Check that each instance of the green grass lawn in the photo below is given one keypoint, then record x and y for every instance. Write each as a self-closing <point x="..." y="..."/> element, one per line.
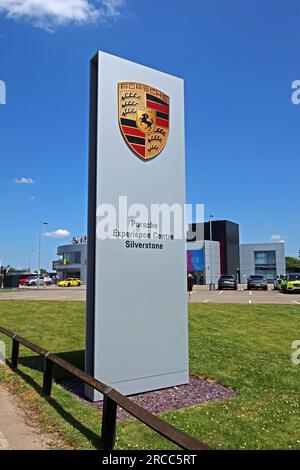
<point x="5" y="291"/>
<point x="245" y="347"/>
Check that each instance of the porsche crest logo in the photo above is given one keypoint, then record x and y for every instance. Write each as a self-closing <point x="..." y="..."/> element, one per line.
<point x="143" y="118"/>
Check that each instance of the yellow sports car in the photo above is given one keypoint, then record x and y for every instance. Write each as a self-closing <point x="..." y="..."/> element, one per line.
<point x="70" y="282"/>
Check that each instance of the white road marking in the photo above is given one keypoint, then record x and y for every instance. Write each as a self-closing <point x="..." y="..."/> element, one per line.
<point x="204" y="301"/>
<point x="250" y="292"/>
<point x="221" y="292"/>
<point x="250" y="301"/>
<point x="295" y="302"/>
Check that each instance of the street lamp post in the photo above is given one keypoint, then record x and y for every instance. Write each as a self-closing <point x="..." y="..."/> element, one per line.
<point x="39" y="253"/>
<point x="31" y="250"/>
<point x="211" y="285"/>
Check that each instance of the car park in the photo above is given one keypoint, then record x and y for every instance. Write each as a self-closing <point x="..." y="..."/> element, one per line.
<point x="257" y="282"/>
<point x="227" y="282"/>
<point x="291" y="283"/>
<point x="70" y="282"/>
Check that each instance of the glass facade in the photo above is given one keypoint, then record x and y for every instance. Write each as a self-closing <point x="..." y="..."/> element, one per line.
<point x="265" y="264"/>
<point x="72" y="257"/>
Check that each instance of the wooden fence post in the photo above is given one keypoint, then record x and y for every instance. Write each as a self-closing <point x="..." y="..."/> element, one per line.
<point x="15" y="353"/>
<point x="48" y="376"/>
<point x="109" y="420"/>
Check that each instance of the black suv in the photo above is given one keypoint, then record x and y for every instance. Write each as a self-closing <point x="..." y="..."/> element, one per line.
<point x="227" y="282"/>
<point x="257" y="282"/>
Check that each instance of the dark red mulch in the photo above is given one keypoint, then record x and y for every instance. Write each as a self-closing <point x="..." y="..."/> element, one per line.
<point x="173" y="398"/>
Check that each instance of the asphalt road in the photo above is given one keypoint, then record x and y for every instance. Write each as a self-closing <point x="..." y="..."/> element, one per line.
<point x="200" y="294"/>
<point x="243" y="296"/>
<point x="45" y="293"/>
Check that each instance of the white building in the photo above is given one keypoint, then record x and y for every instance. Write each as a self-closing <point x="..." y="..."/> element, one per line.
<point x="72" y="260"/>
<point x="267" y="259"/>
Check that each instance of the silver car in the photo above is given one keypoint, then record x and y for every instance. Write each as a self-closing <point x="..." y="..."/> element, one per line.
<point x="34" y="281"/>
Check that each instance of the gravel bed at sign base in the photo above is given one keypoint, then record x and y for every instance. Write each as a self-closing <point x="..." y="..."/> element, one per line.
<point x="196" y="392"/>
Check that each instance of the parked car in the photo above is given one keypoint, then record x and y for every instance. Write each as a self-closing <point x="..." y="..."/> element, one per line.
<point x="277" y="282"/>
<point x="291" y="283"/>
<point x="257" y="282"/>
<point x="21" y="281"/>
<point x="34" y="281"/>
<point x="227" y="282"/>
<point x="70" y="282"/>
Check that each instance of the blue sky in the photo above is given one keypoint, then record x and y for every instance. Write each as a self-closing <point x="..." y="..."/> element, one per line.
<point x="238" y="59"/>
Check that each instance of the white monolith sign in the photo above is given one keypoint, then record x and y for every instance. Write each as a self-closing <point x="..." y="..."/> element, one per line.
<point x="137" y="330"/>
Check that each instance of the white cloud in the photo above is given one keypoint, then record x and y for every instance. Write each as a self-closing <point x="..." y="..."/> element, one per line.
<point x="49" y="14"/>
<point x="277" y="238"/>
<point x="24" y="180"/>
<point x="113" y="7"/>
<point x="59" y="233"/>
<point x="31" y="198"/>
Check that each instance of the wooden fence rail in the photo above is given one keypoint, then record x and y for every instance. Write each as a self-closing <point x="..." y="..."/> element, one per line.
<point x="112" y="399"/>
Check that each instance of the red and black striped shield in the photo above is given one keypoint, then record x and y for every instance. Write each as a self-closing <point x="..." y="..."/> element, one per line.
<point x="144" y="118"/>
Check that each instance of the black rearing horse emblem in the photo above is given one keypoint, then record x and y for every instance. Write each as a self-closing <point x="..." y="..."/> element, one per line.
<point x="144" y="120"/>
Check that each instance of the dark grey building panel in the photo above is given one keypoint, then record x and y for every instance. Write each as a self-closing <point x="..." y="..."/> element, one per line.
<point x="227" y="234"/>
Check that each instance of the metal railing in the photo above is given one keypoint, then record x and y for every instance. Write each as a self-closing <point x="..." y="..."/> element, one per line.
<point x="112" y="399"/>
